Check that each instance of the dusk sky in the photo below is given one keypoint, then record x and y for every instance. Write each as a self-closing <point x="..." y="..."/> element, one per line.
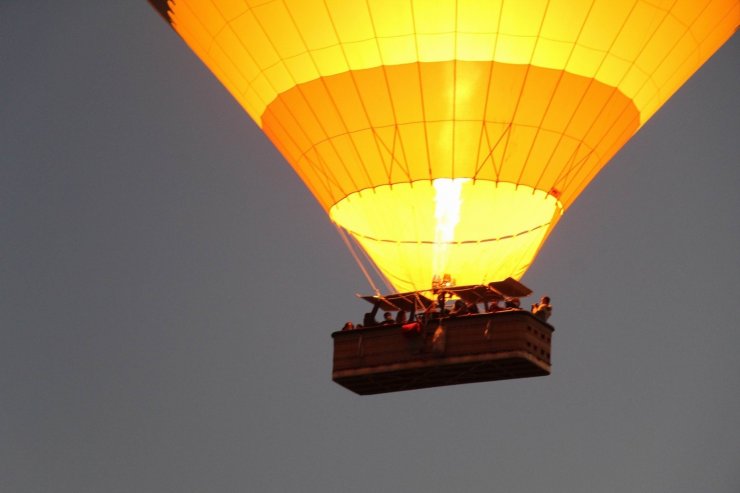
<point x="168" y="289"/>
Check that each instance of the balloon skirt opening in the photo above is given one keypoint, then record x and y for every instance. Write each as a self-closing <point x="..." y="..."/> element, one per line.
<point x="485" y="231"/>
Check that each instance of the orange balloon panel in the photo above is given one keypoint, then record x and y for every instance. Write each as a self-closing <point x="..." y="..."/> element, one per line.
<point x="519" y="124"/>
<point x="448" y="136"/>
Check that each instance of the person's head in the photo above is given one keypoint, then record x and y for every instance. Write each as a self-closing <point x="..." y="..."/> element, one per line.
<point x="545" y="300"/>
<point x="387" y="316"/>
<point x="348" y="326"/>
<point x="513" y="303"/>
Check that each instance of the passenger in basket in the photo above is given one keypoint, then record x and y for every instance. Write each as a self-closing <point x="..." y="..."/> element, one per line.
<point x="494" y="307"/>
<point x="459" y="309"/>
<point x="512" y="304"/>
<point x="348" y="326"/>
<point x="543" y="309"/>
<point x="369" y="320"/>
<point x="388" y="319"/>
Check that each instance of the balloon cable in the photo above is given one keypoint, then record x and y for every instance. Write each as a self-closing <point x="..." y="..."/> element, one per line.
<point x="388" y="286"/>
<point x="347" y="242"/>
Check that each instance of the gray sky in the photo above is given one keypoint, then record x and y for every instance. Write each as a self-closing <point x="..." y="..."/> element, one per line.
<point x="168" y="289"/>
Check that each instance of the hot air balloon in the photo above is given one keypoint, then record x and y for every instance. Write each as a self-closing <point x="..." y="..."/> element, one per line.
<point x="446" y="138"/>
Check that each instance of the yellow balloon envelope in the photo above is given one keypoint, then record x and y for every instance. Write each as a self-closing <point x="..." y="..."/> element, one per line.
<point x="448" y="137"/>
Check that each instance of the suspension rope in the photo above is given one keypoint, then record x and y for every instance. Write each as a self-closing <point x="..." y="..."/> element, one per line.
<point x="351" y="249"/>
<point x="388" y="286"/>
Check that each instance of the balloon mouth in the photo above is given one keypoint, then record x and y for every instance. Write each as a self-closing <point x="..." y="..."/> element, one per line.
<point x="475" y="231"/>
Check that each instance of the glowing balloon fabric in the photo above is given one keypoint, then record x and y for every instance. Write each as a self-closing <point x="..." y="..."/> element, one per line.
<point x="502" y="110"/>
